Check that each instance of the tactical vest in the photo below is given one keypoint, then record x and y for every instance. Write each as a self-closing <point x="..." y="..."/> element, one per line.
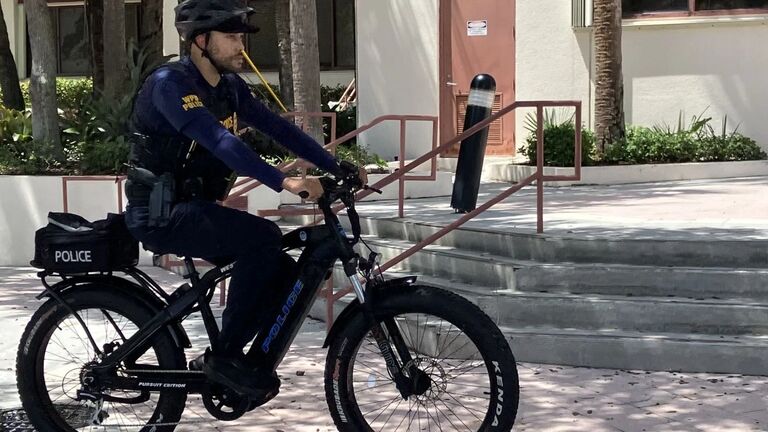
<point x="198" y="174"/>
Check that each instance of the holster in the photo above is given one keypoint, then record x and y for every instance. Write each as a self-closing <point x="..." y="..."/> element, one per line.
<point x="161" y="196"/>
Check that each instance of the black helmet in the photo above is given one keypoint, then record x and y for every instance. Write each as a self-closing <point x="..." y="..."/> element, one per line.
<point x="194" y="17"/>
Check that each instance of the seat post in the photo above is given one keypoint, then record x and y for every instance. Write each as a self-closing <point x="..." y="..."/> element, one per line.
<point x="191" y="272"/>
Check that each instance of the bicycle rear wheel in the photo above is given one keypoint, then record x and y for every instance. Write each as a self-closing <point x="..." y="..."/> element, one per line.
<point x="473" y="382"/>
<point x="55" y="351"/>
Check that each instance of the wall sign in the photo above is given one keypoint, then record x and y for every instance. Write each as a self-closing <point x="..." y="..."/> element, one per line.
<point x="477" y="28"/>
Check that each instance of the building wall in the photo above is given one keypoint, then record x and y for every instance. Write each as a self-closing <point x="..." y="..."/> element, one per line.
<point x="9" y="14"/>
<point x="170" y="36"/>
<point x="14" y="21"/>
<point x="397" y="70"/>
<point x="714" y="64"/>
<point x="553" y="61"/>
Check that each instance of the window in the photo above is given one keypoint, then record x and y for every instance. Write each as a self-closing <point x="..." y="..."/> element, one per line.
<point x="335" y="32"/>
<point x="262" y="46"/>
<point x="73" y="48"/>
<point x="650" y="8"/>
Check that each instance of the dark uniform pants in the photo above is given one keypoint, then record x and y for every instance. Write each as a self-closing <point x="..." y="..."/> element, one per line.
<point x="221" y="235"/>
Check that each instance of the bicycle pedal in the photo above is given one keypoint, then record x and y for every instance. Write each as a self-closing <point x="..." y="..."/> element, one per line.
<point x="197" y="363"/>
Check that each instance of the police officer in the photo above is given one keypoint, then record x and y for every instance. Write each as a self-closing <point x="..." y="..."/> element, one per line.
<point x="185" y="153"/>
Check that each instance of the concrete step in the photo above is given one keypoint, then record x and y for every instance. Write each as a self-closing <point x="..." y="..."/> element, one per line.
<point x="626" y="350"/>
<point x="642" y="314"/>
<point x="578" y="249"/>
<point x="503" y="273"/>
<point x="747" y="355"/>
<point x="621" y="279"/>
<point x="601" y="312"/>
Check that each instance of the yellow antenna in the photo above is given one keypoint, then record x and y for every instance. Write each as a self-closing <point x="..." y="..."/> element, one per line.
<point x="266" y="84"/>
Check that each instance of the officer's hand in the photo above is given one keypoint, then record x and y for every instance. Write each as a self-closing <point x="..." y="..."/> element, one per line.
<point x="311" y="185"/>
<point x="363" y="174"/>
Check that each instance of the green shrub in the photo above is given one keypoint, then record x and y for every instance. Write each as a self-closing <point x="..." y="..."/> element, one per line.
<point x="108" y="156"/>
<point x="15" y="126"/>
<point x="71" y="93"/>
<point x="559" y="145"/>
<point x="697" y="143"/>
<point x="359" y="155"/>
<point x="19" y="152"/>
<point x="645" y="145"/>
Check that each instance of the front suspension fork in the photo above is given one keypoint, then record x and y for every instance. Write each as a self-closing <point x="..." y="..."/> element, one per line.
<point x="396" y="364"/>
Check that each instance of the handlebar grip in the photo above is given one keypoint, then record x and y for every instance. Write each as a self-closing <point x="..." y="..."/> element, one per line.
<point x="304" y="194"/>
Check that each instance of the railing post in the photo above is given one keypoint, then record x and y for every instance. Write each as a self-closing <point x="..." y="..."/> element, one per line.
<point x="64" y="194"/>
<point x="119" y="195"/>
<point x="539" y="168"/>
<point x="577" y="157"/>
<point x="401" y="194"/>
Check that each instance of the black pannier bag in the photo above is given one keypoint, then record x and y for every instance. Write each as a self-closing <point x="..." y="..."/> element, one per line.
<point x="72" y="244"/>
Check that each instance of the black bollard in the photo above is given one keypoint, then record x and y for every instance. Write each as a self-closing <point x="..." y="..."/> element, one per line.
<point x="472" y="151"/>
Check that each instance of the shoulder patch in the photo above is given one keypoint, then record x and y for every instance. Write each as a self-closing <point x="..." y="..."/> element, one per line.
<point x="191" y="101"/>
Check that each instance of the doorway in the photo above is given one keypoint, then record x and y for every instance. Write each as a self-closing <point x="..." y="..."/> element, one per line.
<point x="477" y="36"/>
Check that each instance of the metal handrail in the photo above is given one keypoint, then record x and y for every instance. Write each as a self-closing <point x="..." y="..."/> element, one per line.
<point x="248" y="185"/>
<point x="400" y="175"/>
<point x="538" y="176"/>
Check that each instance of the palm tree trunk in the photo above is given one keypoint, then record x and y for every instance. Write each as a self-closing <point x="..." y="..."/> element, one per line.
<point x="116" y="69"/>
<point x="151" y="32"/>
<point x="9" y="76"/>
<point x="609" y="82"/>
<point x="95" y="14"/>
<point x="306" y="63"/>
<point x="42" y="82"/>
<point x="283" y="23"/>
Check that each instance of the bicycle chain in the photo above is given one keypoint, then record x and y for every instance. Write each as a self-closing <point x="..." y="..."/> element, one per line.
<point x="20" y="422"/>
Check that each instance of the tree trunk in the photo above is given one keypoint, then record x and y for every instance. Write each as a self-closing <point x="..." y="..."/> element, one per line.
<point x="283" y="23"/>
<point x="609" y="82"/>
<point x="9" y="76"/>
<point x="306" y="63"/>
<point x="116" y="69"/>
<point x="42" y="82"/>
<point x="95" y="14"/>
<point x="151" y="32"/>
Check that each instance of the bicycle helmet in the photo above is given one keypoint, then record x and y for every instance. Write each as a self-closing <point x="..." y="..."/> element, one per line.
<point x="196" y="17"/>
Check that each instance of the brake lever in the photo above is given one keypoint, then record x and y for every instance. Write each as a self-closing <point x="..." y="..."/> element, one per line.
<point x="366" y="187"/>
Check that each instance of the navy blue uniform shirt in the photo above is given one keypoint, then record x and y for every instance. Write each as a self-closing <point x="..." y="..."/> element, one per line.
<point x="170" y="103"/>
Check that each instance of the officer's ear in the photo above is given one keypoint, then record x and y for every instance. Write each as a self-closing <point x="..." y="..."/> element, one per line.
<point x="200" y="41"/>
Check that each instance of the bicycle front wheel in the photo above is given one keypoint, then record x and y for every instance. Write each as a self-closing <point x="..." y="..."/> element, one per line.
<point x="472" y="374"/>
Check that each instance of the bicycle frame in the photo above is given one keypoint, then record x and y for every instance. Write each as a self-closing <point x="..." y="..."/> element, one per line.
<point x="322" y="246"/>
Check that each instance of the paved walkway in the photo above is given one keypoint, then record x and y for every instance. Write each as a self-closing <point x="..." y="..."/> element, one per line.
<point x="733" y="209"/>
<point x="553" y="398"/>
